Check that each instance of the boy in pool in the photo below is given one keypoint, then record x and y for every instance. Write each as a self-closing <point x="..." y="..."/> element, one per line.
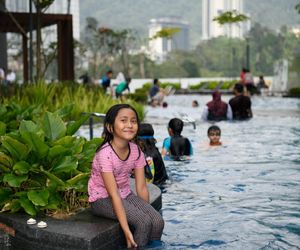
<point x="214" y="135"/>
<point x="176" y="145"/>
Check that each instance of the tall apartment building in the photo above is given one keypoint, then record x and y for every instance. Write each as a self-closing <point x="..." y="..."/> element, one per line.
<point x="213" y="8"/>
<point x="159" y="47"/>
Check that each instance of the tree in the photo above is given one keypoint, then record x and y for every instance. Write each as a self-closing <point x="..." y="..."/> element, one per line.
<point x="233" y="17"/>
<point x="297" y="7"/>
<point x="167" y="33"/>
<point x="107" y="45"/>
<point x="191" y="68"/>
<point x="230" y="17"/>
<point x="41" y="6"/>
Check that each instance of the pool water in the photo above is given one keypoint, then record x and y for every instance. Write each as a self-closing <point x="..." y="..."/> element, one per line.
<point x="242" y="195"/>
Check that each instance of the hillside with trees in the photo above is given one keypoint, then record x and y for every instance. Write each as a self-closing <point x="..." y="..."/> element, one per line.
<point x="269" y="39"/>
<point x="128" y="14"/>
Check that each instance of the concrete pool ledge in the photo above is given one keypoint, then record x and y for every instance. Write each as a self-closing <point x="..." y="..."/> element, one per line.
<point x="82" y="231"/>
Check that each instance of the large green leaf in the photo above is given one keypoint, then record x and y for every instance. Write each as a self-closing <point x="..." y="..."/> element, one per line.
<point x="73" y="126"/>
<point x="57" y="151"/>
<point x="2" y="128"/>
<point x="28" y="206"/>
<point x="5" y="194"/>
<point x="53" y="177"/>
<point x="3" y="111"/>
<point x="6" y="160"/>
<point x="15" y="206"/>
<point x="30" y="126"/>
<point x="78" y="145"/>
<point x="66" y="141"/>
<point x="77" y="178"/>
<point x="4" y="169"/>
<point x="14" y="180"/>
<point x="54" y="126"/>
<point x="36" y="143"/>
<point x="12" y="206"/>
<point x="65" y="111"/>
<point x="53" y="201"/>
<point x="21" y="167"/>
<point x="67" y="164"/>
<point x="17" y="149"/>
<point x="38" y="197"/>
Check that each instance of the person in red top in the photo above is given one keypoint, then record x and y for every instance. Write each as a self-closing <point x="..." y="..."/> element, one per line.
<point x="217" y="110"/>
<point x="243" y="75"/>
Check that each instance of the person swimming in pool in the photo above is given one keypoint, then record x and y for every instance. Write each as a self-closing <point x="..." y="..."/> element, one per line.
<point x="214" y="135"/>
<point x="176" y="145"/>
<point x="147" y="142"/>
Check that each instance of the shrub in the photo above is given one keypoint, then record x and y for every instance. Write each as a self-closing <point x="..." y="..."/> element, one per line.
<point x="197" y="86"/>
<point x="139" y="96"/>
<point x="212" y="85"/>
<point x="295" y="92"/>
<point x="43" y="166"/>
<point x="228" y="85"/>
<point x="50" y="97"/>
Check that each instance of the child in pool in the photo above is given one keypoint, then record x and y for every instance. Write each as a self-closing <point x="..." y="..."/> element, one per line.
<point x="109" y="190"/>
<point x="214" y="135"/>
<point x="176" y="145"/>
<point x="147" y="143"/>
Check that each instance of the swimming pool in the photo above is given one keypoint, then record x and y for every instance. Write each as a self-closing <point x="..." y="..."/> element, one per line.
<point x="243" y="195"/>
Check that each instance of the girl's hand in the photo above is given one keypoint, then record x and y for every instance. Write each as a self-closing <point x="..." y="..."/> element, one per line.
<point x="130" y="241"/>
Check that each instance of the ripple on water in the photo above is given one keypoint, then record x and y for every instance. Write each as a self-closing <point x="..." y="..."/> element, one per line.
<point x="243" y="195"/>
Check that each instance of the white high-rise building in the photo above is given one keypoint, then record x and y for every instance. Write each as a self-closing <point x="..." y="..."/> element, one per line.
<point x="159" y="47"/>
<point x="212" y="9"/>
<point x="57" y="7"/>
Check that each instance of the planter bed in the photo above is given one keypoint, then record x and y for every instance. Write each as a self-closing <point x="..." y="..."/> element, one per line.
<point x="81" y="231"/>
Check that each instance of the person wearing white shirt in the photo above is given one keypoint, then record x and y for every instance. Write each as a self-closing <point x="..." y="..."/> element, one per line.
<point x="11" y="76"/>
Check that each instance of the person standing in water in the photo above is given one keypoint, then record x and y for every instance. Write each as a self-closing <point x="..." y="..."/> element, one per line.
<point x="176" y="145"/>
<point x="217" y="110"/>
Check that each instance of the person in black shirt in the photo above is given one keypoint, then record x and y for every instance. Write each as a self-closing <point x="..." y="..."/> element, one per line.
<point x="240" y="104"/>
<point x="176" y="146"/>
<point x="147" y="143"/>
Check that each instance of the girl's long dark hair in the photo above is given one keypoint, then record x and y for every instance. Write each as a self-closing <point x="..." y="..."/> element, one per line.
<point x="146" y="144"/>
<point x="145" y="137"/>
<point x="109" y="121"/>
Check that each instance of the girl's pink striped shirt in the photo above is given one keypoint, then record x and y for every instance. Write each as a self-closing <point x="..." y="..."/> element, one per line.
<point x="106" y="160"/>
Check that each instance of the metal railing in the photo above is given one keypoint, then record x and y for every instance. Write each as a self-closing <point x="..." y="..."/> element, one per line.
<point x="91" y="121"/>
<point x="185" y="118"/>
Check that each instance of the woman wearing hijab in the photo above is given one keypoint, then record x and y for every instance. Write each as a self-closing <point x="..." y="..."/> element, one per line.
<point x="216" y="109"/>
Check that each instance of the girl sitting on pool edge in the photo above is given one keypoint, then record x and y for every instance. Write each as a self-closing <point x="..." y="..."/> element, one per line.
<point x="109" y="189"/>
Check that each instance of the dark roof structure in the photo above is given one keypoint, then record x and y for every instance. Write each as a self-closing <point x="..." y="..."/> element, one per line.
<point x="19" y="22"/>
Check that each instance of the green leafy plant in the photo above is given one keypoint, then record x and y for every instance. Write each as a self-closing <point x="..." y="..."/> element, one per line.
<point x="212" y="85"/>
<point x="169" y="84"/>
<point x="294" y="92"/>
<point x="43" y="166"/>
<point x="50" y="97"/>
<point x="197" y="86"/>
<point x="228" y="85"/>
